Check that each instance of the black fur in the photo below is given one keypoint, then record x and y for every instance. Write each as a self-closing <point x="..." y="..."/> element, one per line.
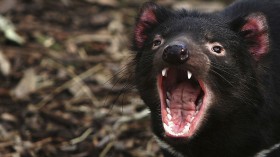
<point x="244" y="116"/>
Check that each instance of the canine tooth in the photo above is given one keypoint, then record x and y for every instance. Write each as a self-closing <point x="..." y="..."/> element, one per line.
<point x="199" y="102"/>
<point x="164" y="72"/>
<point x="198" y="107"/>
<point x="168" y="102"/>
<point x="168" y="110"/>
<point x="168" y="95"/>
<point x="189" y="75"/>
<point x="169" y="116"/>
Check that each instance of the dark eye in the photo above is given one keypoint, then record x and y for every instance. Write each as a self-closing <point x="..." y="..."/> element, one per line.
<point x="217" y="49"/>
<point x="156" y="43"/>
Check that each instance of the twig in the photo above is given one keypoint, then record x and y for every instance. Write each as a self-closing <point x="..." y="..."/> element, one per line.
<point x="58" y="119"/>
<point x="82" y="137"/>
<point x="105" y="140"/>
<point x="106" y="149"/>
<point x="42" y="142"/>
<point x="126" y="119"/>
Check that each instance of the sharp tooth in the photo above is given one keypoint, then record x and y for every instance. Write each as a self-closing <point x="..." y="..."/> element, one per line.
<point x="164" y="72"/>
<point x="187" y="127"/>
<point x="168" y="95"/>
<point x="189" y="75"/>
<point x="199" y="102"/>
<point x="168" y="102"/>
<point x="165" y="127"/>
<point x="192" y="119"/>
<point x="168" y="110"/>
<point x="198" y="107"/>
<point x="171" y="124"/>
<point x="169" y="116"/>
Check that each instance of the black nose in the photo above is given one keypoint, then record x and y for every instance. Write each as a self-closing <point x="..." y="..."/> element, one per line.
<point x="175" y="54"/>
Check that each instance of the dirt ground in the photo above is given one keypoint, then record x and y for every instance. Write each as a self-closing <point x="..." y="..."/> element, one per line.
<point x="62" y="92"/>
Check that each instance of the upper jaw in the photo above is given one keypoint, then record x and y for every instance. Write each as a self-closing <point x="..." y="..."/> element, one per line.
<point x="184" y="101"/>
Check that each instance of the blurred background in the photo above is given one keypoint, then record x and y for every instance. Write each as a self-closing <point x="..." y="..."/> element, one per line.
<point x="62" y="88"/>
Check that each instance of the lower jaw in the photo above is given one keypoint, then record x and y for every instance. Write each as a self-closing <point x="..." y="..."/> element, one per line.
<point x="187" y="130"/>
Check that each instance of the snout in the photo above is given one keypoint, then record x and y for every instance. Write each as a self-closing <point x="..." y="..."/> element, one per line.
<point x="175" y="54"/>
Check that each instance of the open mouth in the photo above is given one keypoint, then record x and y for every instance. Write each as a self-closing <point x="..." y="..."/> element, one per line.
<point x="183" y="102"/>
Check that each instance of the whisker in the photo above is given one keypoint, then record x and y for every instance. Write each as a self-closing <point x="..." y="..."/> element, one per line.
<point x="249" y="101"/>
<point x="222" y="77"/>
<point x="235" y="76"/>
<point x="127" y="74"/>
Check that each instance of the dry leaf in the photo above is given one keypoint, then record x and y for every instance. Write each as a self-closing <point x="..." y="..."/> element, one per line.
<point x="26" y="85"/>
<point x="9" y="30"/>
<point x="5" y="65"/>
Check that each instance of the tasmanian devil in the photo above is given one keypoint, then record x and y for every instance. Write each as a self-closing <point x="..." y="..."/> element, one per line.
<point x="211" y="80"/>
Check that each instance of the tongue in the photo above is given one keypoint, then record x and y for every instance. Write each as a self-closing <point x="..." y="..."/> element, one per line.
<point x="182" y="104"/>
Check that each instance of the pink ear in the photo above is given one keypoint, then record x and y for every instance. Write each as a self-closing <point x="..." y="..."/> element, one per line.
<point x="147" y="19"/>
<point x="255" y="32"/>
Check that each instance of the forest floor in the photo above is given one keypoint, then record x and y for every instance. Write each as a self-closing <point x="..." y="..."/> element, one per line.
<point x="62" y="92"/>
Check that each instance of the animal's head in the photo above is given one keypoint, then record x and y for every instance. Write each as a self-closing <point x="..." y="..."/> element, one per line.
<point x="196" y="72"/>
